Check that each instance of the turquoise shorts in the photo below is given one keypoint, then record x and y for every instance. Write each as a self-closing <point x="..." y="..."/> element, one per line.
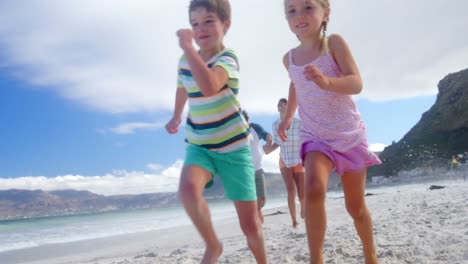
<point x="235" y="169"/>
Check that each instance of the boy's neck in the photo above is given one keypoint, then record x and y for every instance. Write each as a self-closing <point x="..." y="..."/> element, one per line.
<point x="207" y="54"/>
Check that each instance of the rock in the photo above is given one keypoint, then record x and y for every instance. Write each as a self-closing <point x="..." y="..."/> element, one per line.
<point x="436" y="187"/>
<point x="276" y="213"/>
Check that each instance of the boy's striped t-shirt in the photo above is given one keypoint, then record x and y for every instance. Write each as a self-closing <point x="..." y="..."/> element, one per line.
<point x="215" y="122"/>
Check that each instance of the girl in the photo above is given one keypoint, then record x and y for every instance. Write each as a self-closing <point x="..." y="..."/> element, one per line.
<point x="323" y="77"/>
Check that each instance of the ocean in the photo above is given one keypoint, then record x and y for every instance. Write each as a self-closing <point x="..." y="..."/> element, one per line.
<point x="28" y="233"/>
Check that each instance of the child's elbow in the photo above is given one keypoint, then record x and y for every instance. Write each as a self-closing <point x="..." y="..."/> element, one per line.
<point x="207" y="93"/>
<point x="358" y="86"/>
<point x="358" y="89"/>
<point x="208" y="90"/>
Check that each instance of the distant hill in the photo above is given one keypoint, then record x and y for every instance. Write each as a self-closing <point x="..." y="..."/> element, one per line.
<point x="441" y="132"/>
<point x="17" y="204"/>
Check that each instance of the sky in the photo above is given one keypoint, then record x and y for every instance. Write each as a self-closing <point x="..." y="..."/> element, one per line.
<point x="87" y="86"/>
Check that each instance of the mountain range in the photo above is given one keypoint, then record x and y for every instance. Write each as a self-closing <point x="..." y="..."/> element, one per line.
<point x="19" y="204"/>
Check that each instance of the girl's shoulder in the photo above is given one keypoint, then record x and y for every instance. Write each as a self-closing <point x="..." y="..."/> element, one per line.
<point x="286" y="60"/>
<point x="286" y="57"/>
<point x="336" y="43"/>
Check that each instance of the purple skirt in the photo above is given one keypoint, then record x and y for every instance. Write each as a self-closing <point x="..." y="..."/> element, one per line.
<point x="353" y="161"/>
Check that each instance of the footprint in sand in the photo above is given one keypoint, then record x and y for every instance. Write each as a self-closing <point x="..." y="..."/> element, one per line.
<point x="327" y="245"/>
<point x="340" y="251"/>
<point x="147" y="255"/>
<point x="300" y="258"/>
<point x="177" y="252"/>
<point x="297" y="235"/>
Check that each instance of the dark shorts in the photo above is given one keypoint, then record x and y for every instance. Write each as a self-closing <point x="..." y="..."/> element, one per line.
<point x="260" y="183"/>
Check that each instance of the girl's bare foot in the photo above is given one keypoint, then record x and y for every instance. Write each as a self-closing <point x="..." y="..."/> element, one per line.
<point x="295" y="224"/>
<point x="212" y="254"/>
<point x="372" y="259"/>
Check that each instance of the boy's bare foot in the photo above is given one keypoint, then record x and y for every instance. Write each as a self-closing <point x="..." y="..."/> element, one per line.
<point x="212" y="254"/>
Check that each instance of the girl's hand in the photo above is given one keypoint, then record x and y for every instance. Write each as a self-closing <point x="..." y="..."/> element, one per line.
<point x="313" y="73"/>
<point x="185" y="38"/>
<point x="282" y="127"/>
<point x="173" y="125"/>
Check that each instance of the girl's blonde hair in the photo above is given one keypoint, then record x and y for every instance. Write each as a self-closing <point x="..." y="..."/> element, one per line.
<point x="324" y="40"/>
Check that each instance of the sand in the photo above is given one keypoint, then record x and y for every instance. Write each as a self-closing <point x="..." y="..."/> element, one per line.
<point x="412" y="225"/>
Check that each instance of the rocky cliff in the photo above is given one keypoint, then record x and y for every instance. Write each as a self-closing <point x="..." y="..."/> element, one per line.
<point x="441" y="132"/>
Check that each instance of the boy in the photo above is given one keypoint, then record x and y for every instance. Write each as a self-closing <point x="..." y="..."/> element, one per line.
<point x="216" y="133"/>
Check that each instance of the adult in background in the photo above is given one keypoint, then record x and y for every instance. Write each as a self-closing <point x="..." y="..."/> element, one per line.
<point x="290" y="162"/>
<point x="258" y="133"/>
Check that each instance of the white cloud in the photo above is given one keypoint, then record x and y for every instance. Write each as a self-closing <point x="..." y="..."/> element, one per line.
<point x="129" y="128"/>
<point x="154" y="166"/>
<point x="111" y="55"/>
<point x="121" y="56"/>
<point x="377" y="147"/>
<point x="117" y="182"/>
<point x="401" y="49"/>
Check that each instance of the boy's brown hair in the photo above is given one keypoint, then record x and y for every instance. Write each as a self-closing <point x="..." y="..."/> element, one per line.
<point x="282" y="100"/>
<point x="221" y="8"/>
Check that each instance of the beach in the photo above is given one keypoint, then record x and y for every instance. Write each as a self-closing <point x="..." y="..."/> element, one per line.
<point x="412" y="224"/>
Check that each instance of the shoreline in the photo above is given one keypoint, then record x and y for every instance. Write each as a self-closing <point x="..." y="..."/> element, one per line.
<point x="395" y="182"/>
<point x="412" y="225"/>
<point x="119" y="245"/>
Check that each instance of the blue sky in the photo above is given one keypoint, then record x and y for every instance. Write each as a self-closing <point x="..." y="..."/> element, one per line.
<point x="86" y="87"/>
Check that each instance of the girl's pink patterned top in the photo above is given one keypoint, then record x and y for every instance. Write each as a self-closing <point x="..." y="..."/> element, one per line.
<point x="326" y="116"/>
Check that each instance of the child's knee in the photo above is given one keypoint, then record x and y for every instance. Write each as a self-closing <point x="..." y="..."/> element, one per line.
<point x="290" y="188"/>
<point x="188" y="192"/>
<point x="315" y="190"/>
<point x="356" y="210"/>
<point x="251" y="228"/>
